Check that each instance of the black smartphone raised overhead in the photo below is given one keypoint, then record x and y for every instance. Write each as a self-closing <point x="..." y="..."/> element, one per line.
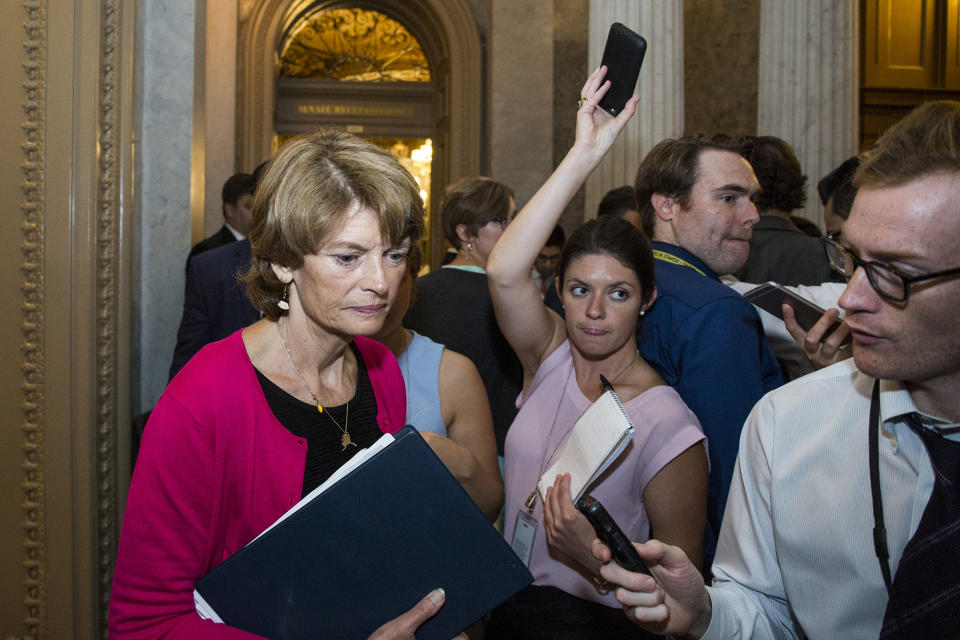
<point x="771" y="297"/>
<point x="623" y="57"/>
<point x="610" y="534"/>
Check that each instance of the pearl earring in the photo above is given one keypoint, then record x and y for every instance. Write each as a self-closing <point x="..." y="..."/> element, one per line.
<point x="282" y="303"/>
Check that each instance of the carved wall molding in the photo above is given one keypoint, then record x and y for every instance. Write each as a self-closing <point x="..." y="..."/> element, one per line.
<point x="107" y="315"/>
<point x="32" y="207"/>
<point x="107" y="252"/>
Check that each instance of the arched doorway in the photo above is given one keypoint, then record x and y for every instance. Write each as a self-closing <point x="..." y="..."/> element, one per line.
<point x="448" y="35"/>
<point x="362" y="71"/>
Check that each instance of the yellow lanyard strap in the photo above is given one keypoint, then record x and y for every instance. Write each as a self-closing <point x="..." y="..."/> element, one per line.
<point x="672" y="259"/>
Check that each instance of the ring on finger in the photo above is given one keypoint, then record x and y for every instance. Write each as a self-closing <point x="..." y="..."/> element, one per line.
<point x="581" y="101"/>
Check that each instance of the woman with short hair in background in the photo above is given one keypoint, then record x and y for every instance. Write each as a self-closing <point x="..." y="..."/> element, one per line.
<point x="451" y="305"/>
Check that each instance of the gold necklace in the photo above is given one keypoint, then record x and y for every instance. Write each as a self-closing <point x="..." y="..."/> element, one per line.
<point x="345" y="439"/>
<point x="531" y="502"/>
<point x="629" y="364"/>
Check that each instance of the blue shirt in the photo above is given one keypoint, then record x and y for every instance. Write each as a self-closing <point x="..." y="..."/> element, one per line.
<point x="706" y="341"/>
<point x="420" y="365"/>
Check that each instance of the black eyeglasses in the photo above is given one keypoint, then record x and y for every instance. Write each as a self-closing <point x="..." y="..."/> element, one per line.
<point x="886" y="280"/>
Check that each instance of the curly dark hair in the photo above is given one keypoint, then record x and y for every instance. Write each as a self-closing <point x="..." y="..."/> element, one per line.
<point x="784" y="187"/>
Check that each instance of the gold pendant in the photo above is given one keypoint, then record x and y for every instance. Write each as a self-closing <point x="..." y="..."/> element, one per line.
<point x="345" y="441"/>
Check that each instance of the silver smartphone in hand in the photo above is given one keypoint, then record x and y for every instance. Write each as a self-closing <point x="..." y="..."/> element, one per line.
<point x="771" y="297"/>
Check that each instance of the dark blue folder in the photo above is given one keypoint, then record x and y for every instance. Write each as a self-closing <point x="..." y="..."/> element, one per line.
<point x="365" y="551"/>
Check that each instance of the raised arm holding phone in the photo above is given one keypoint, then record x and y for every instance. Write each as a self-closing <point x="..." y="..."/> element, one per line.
<point x="605" y="281"/>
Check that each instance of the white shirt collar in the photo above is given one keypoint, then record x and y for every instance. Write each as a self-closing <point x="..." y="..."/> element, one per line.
<point x="236" y="234"/>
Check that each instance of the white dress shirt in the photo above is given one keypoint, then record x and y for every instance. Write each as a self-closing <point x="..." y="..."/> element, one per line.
<point x="236" y="234"/>
<point x="796" y="555"/>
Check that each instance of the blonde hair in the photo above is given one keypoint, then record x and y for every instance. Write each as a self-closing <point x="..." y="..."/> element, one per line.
<point x="927" y="141"/>
<point x="314" y="181"/>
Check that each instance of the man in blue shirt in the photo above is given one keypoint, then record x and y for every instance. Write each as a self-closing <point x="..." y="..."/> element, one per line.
<point x="696" y="201"/>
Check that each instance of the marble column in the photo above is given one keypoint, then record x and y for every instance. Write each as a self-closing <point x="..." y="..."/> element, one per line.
<point x="520" y="93"/>
<point x="808" y="84"/>
<point x="660" y="112"/>
<point x="220" y="104"/>
<point x="165" y="64"/>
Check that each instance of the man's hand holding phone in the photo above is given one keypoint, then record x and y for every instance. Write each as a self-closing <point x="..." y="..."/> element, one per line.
<point x="820" y="351"/>
<point x="673" y="600"/>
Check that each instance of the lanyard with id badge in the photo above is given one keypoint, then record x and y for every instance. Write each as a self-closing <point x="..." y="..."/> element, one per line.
<point x="526" y="527"/>
<point x="591" y="444"/>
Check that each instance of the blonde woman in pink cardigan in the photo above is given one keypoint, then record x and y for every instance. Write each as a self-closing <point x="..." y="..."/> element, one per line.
<point x="237" y="438"/>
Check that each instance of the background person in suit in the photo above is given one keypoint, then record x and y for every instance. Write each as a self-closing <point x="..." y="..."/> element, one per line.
<point x="215" y="304"/>
<point x="236" y="195"/>
<point x="779" y="250"/>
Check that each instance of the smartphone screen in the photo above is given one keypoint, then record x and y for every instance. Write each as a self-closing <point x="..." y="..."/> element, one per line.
<point x="771" y="297"/>
<point x="623" y="57"/>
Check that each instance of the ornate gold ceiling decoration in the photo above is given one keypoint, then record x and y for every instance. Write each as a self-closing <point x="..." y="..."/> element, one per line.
<point x="355" y="45"/>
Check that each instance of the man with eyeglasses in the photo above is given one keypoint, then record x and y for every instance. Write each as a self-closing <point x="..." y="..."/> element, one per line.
<point x="843" y="519"/>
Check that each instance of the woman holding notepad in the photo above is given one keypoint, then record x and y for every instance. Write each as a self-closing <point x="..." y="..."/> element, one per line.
<point x="659" y="482"/>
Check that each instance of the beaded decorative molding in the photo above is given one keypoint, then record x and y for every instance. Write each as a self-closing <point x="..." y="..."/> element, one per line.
<point x="32" y="207"/>
<point x="107" y="252"/>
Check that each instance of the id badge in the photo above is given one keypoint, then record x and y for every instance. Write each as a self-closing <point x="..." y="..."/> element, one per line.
<point x="523" y="534"/>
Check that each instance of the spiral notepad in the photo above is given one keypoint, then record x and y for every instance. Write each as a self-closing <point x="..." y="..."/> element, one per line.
<point x="595" y="441"/>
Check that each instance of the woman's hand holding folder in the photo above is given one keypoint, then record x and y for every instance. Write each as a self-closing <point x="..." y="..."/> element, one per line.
<point x="404" y="627"/>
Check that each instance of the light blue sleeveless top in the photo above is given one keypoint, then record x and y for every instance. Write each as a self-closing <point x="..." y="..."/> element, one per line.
<point x="420" y="365"/>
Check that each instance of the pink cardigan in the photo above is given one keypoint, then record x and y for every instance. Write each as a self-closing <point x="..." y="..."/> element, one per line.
<point x="215" y="468"/>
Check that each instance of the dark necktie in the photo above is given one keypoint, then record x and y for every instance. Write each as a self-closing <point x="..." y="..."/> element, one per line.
<point x="926" y="589"/>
